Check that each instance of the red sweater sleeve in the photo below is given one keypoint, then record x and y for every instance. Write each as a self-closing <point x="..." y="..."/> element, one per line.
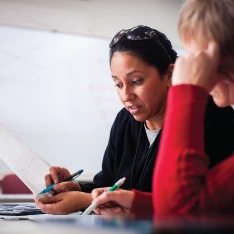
<point x="142" y="206"/>
<point x="182" y="183"/>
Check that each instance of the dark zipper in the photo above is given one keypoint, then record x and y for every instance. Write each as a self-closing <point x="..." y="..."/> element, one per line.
<point x="143" y="170"/>
<point x="135" y="156"/>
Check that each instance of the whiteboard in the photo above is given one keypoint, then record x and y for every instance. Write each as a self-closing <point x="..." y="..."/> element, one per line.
<point x="57" y="95"/>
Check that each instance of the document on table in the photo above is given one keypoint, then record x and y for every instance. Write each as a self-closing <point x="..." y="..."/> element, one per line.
<point x="19" y="209"/>
<point x="25" y="163"/>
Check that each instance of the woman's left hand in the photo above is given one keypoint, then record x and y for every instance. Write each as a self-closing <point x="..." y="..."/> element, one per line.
<point x="64" y="203"/>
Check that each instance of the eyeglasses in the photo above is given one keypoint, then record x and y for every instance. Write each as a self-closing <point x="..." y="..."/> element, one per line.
<point x="139" y="32"/>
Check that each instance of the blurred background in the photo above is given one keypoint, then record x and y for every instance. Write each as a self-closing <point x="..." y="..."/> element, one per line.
<point x="56" y="92"/>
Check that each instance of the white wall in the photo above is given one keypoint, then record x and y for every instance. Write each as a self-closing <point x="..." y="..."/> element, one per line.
<point x="102" y="18"/>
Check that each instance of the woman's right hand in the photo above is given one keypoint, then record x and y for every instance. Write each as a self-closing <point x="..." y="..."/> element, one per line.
<point x="199" y="67"/>
<point x="58" y="174"/>
<point x="114" y="203"/>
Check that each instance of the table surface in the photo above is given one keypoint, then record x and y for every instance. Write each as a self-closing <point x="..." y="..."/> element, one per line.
<point x="16" y="198"/>
<point x="97" y="224"/>
<point x="31" y="227"/>
<point x="72" y="223"/>
<point x="61" y="224"/>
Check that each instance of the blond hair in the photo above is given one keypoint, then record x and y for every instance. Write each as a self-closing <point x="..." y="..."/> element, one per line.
<point x="204" y="20"/>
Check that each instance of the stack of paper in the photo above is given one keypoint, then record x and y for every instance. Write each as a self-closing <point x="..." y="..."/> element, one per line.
<point x="15" y="209"/>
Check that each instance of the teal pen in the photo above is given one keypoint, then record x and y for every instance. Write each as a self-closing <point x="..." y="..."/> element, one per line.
<point x="95" y="205"/>
<point x="71" y="177"/>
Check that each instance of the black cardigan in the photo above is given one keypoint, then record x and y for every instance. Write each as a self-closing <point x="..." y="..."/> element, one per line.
<point x="128" y="153"/>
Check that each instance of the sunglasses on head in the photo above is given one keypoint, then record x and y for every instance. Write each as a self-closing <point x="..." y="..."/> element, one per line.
<point x="139" y="32"/>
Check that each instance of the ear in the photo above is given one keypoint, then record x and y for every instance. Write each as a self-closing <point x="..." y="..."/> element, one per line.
<point x="169" y="74"/>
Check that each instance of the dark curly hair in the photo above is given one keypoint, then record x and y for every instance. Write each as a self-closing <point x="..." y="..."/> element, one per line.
<point x="147" y="50"/>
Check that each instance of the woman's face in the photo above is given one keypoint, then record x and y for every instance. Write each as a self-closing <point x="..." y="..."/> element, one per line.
<point x="140" y="88"/>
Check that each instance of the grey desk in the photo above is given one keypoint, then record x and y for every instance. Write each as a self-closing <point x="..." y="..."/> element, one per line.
<point x="94" y="224"/>
<point x="29" y="227"/>
<point x="65" y="226"/>
<point x="68" y="224"/>
<point x="14" y="198"/>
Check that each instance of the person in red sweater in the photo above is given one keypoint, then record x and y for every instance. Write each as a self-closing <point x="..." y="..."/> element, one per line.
<point x="183" y="183"/>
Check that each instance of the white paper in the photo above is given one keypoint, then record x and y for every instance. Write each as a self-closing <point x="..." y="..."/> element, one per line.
<point x="25" y="163"/>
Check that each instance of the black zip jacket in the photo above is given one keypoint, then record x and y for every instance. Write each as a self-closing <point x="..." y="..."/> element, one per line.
<point x="128" y="153"/>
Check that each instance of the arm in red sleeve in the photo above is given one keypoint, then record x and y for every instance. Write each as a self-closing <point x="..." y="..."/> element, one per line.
<point x="142" y="206"/>
<point x="182" y="183"/>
